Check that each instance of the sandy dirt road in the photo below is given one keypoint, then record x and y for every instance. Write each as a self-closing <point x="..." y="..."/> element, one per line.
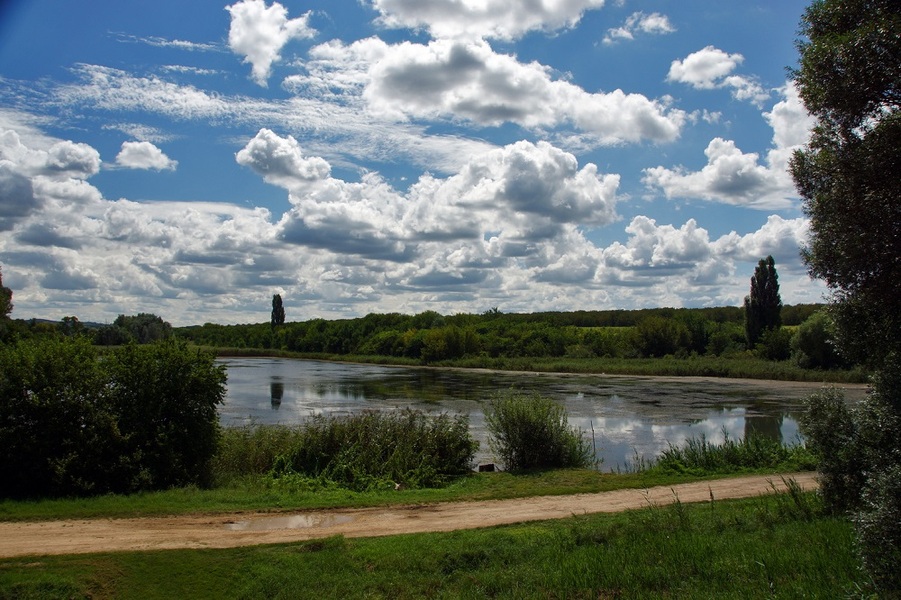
<point x="247" y="529"/>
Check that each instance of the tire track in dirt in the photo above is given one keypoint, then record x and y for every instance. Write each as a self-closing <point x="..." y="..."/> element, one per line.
<point x="248" y="529"/>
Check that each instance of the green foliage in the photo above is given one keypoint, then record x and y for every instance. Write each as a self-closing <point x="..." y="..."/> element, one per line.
<point x="533" y="432"/>
<point x="658" y="336"/>
<point x="763" y="306"/>
<point x="857" y="449"/>
<point x="278" y="312"/>
<point x="165" y="397"/>
<point x="360" y="452"/>
<point x="142" y="328"/>
<point x="774" y="344"/>
<point x="850" y="80"/>
<point x="58" y="429"/>
<point x="75" y="423"/>
<point x="431" y="338"/>
<point x="113" y="335"/>
<point x="833" y="436"/>
<point x="879" y="529"/>
<point x="749" y="453"/>
<point x="70" y="326"/>
<point x="448" y="342"/>
<point x="814" y="345"/>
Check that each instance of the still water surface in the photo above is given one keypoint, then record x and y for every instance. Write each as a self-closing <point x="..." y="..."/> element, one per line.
<point x="630" y="416"/>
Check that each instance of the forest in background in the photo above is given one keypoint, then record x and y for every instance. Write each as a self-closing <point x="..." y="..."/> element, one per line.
<point x="804" y="338"/>
<point x="431" y="337"/>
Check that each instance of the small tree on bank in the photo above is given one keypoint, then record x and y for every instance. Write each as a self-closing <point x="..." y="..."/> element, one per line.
<point x="763" y="306"/>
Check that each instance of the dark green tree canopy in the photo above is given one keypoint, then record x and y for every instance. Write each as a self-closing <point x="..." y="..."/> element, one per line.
<point x="144" y="328"/>
<point x="850" y="70"/>
<point x="278" y="311"/>
<point x="850" y="79"/>
<point x="763" y="306"/>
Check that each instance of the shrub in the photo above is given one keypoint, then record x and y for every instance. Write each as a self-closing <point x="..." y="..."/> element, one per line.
<point x="879" y="529"/>
<point x="857" y="450"/>
<point x="57" y="428"/>
<point x="165" y="396"/>
<point x="659" y="336"/>
<point x="831" y="431"/>
<point x="813" y="344"/>
<point x="76" y="423"/>
<point x="774" y="344"/>
<point x="533" y="432"/>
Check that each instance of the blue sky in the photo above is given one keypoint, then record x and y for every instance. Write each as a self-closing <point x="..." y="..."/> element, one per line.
<point x="192" y="159"/>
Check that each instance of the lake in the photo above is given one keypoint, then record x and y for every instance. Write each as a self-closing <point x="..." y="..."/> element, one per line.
<point x="629" y="416"/>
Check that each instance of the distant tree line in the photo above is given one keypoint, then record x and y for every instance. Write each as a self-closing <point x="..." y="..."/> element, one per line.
<point x="431" y="337"/>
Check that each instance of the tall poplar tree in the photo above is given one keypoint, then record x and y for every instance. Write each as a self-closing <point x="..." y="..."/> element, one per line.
<point x="763" y="306"/>
<point x="278" y="311"/>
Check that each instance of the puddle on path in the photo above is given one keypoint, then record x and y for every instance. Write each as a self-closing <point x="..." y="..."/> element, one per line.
<point x="288" y="522"/>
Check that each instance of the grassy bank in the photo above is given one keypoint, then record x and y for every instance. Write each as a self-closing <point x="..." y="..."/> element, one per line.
<point x="781" y="545"/>
<point x="697" y="366"/>
<point x="261" y="493"/>
<point x="768" y="547"/>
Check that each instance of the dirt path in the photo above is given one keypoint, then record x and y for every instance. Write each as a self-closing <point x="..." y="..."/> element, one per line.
<point x="247" y="529"/>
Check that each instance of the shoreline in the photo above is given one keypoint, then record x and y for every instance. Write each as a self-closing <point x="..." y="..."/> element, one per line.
<point x="854" y="391"/>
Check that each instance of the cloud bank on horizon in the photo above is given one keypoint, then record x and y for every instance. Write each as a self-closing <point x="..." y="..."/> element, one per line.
<point x="391" y="155"/>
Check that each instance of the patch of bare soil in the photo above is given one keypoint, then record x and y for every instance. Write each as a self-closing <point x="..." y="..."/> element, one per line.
<point x="247" y="529"/>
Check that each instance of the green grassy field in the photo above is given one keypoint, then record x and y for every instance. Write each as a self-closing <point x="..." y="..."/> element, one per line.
<point x="263" y="494"/>
<point x="767" y="547"/>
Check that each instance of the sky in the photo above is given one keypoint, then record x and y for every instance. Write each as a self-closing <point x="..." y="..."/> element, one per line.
<point x="192" y="159"/>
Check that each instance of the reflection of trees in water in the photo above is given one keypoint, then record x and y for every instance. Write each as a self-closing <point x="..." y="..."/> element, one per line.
<point x="276" y="392"/>
<point x="768" y="426"/>
<point x="431" y="386"/>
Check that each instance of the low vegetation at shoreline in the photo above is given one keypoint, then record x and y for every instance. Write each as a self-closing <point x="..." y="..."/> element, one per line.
<point x="781" y="545"/>
<point x="361" y="452"/>
<point x="255" y="485"/>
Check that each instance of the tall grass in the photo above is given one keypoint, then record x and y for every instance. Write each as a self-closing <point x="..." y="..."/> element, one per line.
<point x="370" y="450"/>
<point x="752" y="452"/>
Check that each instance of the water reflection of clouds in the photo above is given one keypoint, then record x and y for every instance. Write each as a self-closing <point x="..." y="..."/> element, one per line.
<point x="630" y="416"/>
<point x="621" y="439"/>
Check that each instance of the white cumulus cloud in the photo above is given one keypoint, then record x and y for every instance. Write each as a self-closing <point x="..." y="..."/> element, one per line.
<point x="280" y="161"/>
<point x="711" y="68"/>
<point x="514" y="198"/>
<point x="259" y="33"/>
<point x="639" y="22"/>
<point x="144" y="155"/>
<point x="499" y="19"/>
<point x="739" y="178"/>
<point x="468" y="80"/>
